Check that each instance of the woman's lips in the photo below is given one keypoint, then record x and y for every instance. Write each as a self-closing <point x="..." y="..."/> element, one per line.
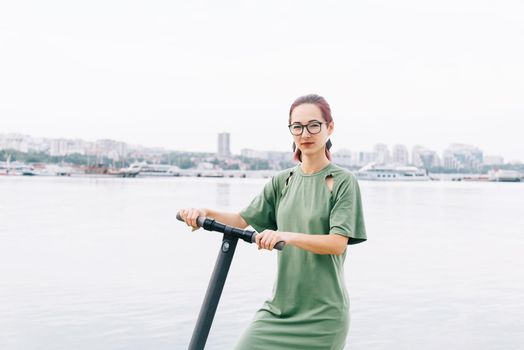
<point x="306" y="143"/>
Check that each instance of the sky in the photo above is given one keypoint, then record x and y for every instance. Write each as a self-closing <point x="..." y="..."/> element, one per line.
<point x="174" y="74"/>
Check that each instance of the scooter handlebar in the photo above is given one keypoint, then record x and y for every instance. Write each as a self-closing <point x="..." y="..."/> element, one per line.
<point x="278" y="246"/>
<point x="200" y="219"/>
<point x="222" y="228"/>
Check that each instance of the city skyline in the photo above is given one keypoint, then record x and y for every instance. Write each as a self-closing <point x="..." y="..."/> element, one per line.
<point x="385" y="153"/>
<point x="175" y="74"/>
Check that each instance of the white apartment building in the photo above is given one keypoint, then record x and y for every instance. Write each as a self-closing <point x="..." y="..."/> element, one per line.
<point x="382" y="153"/>
<point x="424" y="158"/>
<point x="460" y="156"/>
<point x="344" y="157"/>
<point x="400" y="154"/>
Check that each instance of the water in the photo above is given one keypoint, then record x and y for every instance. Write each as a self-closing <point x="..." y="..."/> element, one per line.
<point x="92" y="263"/>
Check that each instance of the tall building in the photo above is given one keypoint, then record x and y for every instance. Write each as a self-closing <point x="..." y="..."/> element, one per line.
<point x="458" y="156"/>
<point x="382" y="152"/>
<point x="223" y="145"/>
<point x="424" y="157"/>
<point x="400" y="155"/>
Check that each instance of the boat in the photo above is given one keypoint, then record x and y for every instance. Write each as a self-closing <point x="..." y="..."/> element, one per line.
<point x="102" y="170"/>
<point x="29" y="171"/>
<point x="392" y="172"/>
<point x="132" y="171"/>
<point x="12" y="168"/>
<point x="159" y="170"/>
<point x="146" y="169"/>
<point x="501" y="175"/>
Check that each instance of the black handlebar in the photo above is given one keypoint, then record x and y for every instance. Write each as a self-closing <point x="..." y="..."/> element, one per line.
<point x="213" y="225"/>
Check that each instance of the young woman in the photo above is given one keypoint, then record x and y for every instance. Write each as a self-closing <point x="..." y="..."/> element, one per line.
<point x="315" y="208"/>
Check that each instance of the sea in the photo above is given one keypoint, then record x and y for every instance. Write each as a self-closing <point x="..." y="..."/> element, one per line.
<point x="103" y="263"/>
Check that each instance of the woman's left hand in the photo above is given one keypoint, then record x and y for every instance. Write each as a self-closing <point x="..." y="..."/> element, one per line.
<point x="268" y="238"/>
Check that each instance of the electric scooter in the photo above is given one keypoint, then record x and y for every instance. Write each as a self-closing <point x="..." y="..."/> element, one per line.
<point x="218" y="278"/>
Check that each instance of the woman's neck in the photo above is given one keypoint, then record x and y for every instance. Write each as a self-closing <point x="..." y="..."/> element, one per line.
<point x="313" y="164"/>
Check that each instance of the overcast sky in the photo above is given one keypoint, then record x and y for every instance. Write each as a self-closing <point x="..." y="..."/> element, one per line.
<point x="176" y="73"/>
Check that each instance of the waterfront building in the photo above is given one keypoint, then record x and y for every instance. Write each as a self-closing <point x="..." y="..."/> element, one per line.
<point x="400" y="155"/>
<point x="382" y="153"/>
<point x="343" y="157"/>
<point x="114" y="150"/>
<point x="460" y="156"/>
<point x="251" y="153"/>
<point x="223" y="145"/>
<point x="39" y="144"/>
<point x="267" y="155"/>
<point x="424" y="158"/>
<point x="362" y="158"/>
<point x="58" y="148"/>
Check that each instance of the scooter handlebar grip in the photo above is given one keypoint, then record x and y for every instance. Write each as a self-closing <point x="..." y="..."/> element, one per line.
<point x="279" y="246"/>
<point x="200" y="219"/>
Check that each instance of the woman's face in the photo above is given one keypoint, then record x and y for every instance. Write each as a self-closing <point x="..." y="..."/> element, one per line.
<point x="308" y="114"/>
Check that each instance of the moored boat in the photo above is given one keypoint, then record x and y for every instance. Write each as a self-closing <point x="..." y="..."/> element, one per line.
<point x="501" y="175"/>
<point x="381" y="172"/>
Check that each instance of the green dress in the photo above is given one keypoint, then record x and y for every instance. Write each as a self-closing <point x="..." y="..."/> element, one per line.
<point x="309" y="308"/>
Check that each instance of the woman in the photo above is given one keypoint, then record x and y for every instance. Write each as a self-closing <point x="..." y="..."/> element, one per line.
<point x="315" y="208"/>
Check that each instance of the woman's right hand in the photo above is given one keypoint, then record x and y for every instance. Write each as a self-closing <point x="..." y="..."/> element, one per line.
<point x="189" y="215"/>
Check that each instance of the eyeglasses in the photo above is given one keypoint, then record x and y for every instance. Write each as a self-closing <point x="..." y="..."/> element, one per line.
<point x="312" y="127"/>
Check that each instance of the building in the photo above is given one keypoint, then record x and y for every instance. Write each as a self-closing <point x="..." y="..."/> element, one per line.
<point x="382" y="153"/>
<point x="251" y="153"/>
<point x="274" y="157"/>
<point x="462" y="157"/>
<point x="223" y="145"/>
<point x="114" y="150"/>
<point x="343" y="157"/>
<point x="400" y="154"/>
<point x="363" y="158"/>
<point x="424" y="158"/>
<point x="15" y="142"/>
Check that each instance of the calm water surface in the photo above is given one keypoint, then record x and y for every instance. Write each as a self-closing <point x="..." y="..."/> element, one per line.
<point x="91" y="263"/>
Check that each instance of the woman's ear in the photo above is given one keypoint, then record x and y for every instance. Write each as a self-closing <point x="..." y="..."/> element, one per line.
<point x="330" y="127"/>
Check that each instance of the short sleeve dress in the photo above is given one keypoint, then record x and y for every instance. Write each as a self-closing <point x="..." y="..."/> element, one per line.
<point x="309" y="308"/>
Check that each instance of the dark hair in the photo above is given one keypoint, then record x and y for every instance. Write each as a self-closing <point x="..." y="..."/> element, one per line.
<point x="322" y="104"/>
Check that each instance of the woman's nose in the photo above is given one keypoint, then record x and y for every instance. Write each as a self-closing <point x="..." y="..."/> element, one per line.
<point x="305" y="133"/>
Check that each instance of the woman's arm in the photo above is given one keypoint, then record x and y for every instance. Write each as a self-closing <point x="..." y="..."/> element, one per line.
<point x="232" y="219"/>
<point x="318" y="244"/>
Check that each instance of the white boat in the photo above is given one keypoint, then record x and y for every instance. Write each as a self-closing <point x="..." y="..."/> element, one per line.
<point x="381" y="172"/>
<point x="501" y="175"/>
<point x="160" y="170"/>
<point x="145" y="169"/>
<point x="29" y="171"/>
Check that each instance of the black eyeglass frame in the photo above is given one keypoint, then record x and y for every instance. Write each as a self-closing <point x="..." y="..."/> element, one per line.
<point x="302" y="126"/>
